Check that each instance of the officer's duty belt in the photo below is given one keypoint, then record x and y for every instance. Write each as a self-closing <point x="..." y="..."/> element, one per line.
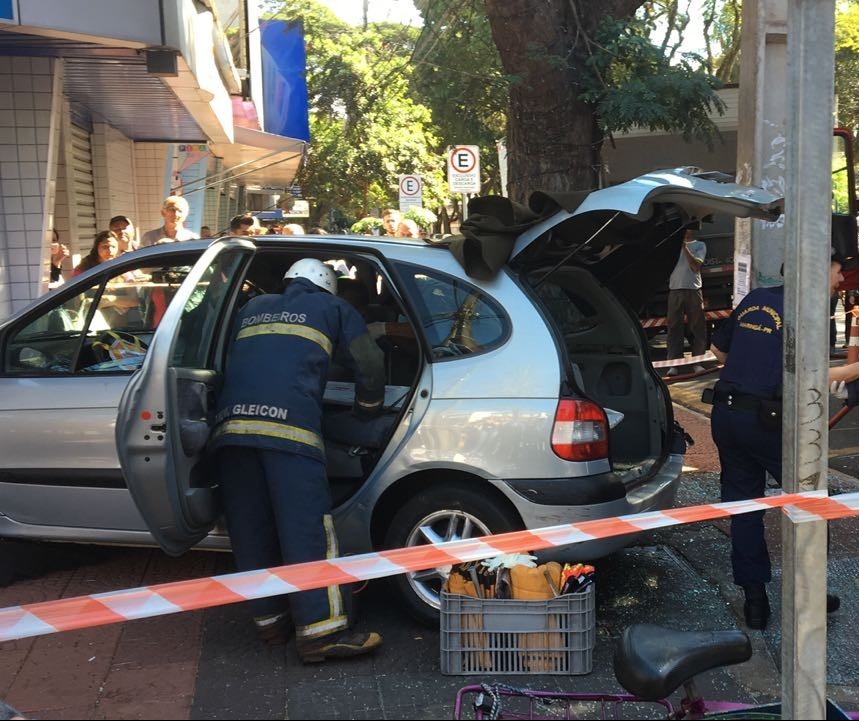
<point x="738" y="401"/>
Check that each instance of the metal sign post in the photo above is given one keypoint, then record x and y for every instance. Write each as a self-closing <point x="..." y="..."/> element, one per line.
<point x="811" y="33"/>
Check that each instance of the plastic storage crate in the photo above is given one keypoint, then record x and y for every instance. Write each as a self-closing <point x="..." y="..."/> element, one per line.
<point x="506" y="636"/>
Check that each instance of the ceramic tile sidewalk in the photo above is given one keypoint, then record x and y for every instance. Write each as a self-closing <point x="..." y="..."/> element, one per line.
<point x="140" y="670"/>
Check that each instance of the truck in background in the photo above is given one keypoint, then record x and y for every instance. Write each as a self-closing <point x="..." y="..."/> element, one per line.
<point x="640" y="151"/>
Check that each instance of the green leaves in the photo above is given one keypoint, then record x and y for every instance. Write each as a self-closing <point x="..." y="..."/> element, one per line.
<point x="367" y="225"/>
<point x="457" y="75"/>
<point x="422" y="216"/>
<point x="366" y="126"/>
<point x="847" y="66"/>
<point x="631" y="83"/>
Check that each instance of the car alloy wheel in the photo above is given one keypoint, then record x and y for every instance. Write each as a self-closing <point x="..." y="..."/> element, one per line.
<point x="438" y="527"/>
<point x="446" y="511"/>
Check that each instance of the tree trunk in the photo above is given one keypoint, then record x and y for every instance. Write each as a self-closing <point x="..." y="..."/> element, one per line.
<point x="553" y="140"/>
<point x="443" y="223"/>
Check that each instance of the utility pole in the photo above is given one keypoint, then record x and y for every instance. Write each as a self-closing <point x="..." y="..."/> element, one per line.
<point x="805" y="451"/>
<point x="784" y="145"/>
<point x="759" y="245"/>
<point x="366" y="12"/>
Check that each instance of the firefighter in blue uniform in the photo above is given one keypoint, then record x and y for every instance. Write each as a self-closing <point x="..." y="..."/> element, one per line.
<point x="746" y="428"/>
<point x="270" y="454"/>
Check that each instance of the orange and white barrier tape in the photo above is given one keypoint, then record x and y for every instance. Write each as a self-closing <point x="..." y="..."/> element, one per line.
<point x="708" y="356"/>
<point x="662" y="321"/>
<point x="654" y="322"/>
<point x="67" y="614"/>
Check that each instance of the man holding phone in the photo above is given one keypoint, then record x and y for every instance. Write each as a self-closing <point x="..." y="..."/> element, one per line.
<point x="685" y="300"/>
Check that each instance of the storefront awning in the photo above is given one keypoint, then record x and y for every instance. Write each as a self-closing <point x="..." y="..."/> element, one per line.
<point x="260" y="158"/>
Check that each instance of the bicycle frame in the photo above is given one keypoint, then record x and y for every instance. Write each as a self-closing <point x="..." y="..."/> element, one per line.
<point x="489" y="704"/>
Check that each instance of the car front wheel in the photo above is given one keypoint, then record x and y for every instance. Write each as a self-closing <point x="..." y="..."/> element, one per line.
<point x="434" y="515"/>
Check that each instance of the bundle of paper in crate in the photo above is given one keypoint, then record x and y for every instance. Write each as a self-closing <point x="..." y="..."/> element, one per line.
<point x="524" y="617"/>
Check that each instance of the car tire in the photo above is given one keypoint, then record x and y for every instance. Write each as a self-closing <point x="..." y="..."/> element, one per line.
<point x="442" y="511"/>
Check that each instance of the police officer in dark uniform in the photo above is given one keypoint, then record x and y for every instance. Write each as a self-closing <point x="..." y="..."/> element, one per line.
<point x="270" y="452"/>
<point x="746" y="428"/>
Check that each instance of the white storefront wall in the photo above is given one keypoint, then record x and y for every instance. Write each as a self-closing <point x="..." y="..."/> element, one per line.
<point x="113" y="159"/>
<point x="41" y="159"/>
<point x="30" y="115"/>
<point x="64" y="166"/>
<point x="150" y="161"/>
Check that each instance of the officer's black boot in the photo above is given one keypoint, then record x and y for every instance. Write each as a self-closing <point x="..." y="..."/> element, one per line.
<point x="757" y="606"/>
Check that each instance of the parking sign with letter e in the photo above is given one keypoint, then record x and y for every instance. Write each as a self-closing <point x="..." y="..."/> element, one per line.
<point x="463" y="169"/>
<point x="411" y="192"/>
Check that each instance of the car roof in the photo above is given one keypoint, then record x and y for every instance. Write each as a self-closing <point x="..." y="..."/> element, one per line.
<point x="268" y="241"/>
<point x="197" y="247"/>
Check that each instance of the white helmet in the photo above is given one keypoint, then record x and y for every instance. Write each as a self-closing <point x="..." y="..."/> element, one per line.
<point x="316" y="272"/>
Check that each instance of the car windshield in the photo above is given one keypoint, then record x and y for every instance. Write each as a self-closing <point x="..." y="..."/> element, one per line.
<point x="106" y="327"/>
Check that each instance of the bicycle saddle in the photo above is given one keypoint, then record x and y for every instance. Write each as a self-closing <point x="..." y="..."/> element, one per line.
<point x="652" y="662"/>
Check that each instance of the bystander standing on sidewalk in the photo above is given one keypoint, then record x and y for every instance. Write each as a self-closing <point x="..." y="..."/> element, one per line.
<point x="123" y="229"/>
<point x="391" y="220"/>
<point x="241" y="225"/>
<point x="407" y="229"/>
<point x="174" y="211"/>
<point x="125" y="234"/>
<point x="686" y="301"/>
<point x="59" y="253"/>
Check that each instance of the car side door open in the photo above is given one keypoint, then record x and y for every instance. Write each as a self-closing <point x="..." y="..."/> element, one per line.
<point x="167" y="408"/>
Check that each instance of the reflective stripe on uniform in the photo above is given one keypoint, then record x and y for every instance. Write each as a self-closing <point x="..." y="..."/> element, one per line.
<point x="302" y="331"/>
<point x="337" y="620"/>
<point x="322" y="628"/>
<point x="272" y="430"/>
<point x="335" y="599"/>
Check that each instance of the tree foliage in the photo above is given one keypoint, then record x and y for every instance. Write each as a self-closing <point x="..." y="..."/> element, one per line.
<point x="722" y="30"/>
<point x="583" y="69"/>
<point x="389" y="99"/>
<point x="366" y="127"/>
<point x="424" y="217"/>
<point x="633" y="83"/>
<point x="847" y="65"/>
<point x="457" y="74"/>
<point x="720" y="27"/>
<point x="367" y="225"/>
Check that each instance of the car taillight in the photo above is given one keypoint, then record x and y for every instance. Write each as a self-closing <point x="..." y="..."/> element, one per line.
<point x="580" y="432"/>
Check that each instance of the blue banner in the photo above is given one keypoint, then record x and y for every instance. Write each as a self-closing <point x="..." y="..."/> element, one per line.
<point x="283" y="78"/>
<point x="7" y="11"/>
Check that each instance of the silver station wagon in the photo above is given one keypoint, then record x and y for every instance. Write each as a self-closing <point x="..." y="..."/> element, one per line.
<point x="523" y="400"/>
